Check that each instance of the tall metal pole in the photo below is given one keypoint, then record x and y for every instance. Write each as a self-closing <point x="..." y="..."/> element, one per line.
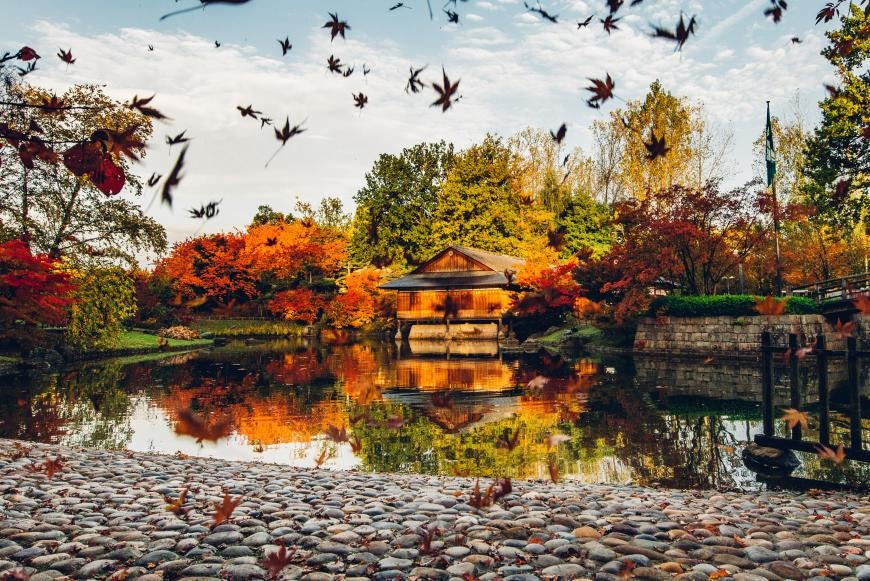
<point x="771" y="181"/>
<point x="776" y="239"/>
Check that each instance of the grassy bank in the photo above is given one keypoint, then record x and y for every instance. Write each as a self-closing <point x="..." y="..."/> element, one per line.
<point x="247" y="327"/>
<point x="139" y="340"/>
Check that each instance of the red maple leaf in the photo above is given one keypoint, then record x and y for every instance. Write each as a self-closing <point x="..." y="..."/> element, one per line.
<point x="276" y="561"/>
<point x="224" y="509"/>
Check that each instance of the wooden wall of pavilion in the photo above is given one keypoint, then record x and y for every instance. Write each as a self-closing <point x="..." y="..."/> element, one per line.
<point x="490" y="303"/>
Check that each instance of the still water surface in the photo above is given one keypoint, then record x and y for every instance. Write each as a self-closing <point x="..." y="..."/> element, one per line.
<point x="479" y="415"/>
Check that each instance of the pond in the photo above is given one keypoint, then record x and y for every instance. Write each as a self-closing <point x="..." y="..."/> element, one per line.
<point x="414" y="408"/>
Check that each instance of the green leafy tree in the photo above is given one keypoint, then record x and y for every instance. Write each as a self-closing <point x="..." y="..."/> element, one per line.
<point x="838" y="153"/>
<point x="585" y="224"/>
<point x="104" y="298"/>
<point x="65" y="215"/>
<point x="393" y="221"/>
<point x="267" y="215"/>
<point x="331" y="214"/>
<point x="481" y="203"/>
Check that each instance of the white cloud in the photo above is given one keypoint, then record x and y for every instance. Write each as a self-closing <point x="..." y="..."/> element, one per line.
<point x="474" y="17"/>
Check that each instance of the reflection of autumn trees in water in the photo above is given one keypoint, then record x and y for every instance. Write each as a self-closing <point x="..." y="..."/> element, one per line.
<point x="86" y="407"/>
<point x="426" y="415"/>
<point x="666" y="449"/>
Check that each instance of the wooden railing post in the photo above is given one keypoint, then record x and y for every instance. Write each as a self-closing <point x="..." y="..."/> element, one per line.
<point x="767" y="383"/>
<point x="794" y="382"/>
<point x="854" y="394"/>
<point x="824" y="396"/>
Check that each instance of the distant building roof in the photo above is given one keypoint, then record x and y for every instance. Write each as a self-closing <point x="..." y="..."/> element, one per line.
<point x="491" y="275"/>
<point x="491" y="260"/>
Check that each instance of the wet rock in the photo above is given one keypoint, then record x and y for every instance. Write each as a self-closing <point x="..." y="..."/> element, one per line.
<point x="564" y="571"/>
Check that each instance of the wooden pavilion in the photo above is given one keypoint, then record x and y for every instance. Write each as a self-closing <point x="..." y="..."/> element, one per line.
<point x="460" y="293"/>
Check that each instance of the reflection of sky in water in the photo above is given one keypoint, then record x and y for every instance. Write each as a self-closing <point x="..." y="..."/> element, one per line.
<point x="628" y="421"/>
<point x="153" y="432"/>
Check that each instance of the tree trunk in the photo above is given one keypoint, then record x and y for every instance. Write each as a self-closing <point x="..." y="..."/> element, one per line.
<point x="54" y="251"/>
<point x="25" y="210"/>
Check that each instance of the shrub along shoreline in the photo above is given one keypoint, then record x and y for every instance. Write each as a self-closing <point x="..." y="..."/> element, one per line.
<point x="724" y="306"/>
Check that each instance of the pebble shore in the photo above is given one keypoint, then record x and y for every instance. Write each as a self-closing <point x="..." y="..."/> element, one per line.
<point x="105" y="515"/>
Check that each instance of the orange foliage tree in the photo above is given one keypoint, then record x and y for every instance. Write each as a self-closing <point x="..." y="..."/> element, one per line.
<point x="290" y="266"/>
<point x="547" y="293"/>
<point x="300" y="249"/>
<point x="210" y="268"/>
<point x="546" y="288"/>
<point x="361" y="302"/>
<point x="299" y="304"/>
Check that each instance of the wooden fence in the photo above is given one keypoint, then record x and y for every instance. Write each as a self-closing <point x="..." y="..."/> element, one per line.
<point x="845" y="288"/>
<point x="854" y="448"/>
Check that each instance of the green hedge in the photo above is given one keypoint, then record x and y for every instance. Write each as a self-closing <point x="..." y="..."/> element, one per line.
<point x="724" y="305"/>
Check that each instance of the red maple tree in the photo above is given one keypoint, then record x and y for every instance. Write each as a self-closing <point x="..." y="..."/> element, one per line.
<point x="686" y="237"/>
<point x="32" y="291"/>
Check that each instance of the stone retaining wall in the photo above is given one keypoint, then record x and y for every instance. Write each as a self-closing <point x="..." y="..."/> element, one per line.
<point x="734" y="336"/>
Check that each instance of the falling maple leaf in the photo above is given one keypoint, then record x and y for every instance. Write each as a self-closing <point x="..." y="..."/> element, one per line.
<point x="553" y="469"/>
<point x="360" y="100"/>
<point x="27" y="54"/>
<point x="718" y="574"/>
<point x="191" y="424"/>
<point x="559" y="134"/>
<point x="656" y="147"/>
<point x="836" y="456"/>
<point x="52" y="467"/>
<point x="680" y="34"/>
<point x="176" y="505"/>
<point x="445" y="92"/>
<point x="775" y="10"/>
<point x="601" y="90"/>
<point x="845" y="330"/>
<point x="770" y="306"/>
<point x="793" y="417"/>
<point x="335" y="434"/>
<point x="142" y="105"/>
<point x="336" y="27"/>
<point x="276" y="561"/>
<point x="609" y="23"/>
<point x="66" y="56"/>
<point x="224" y="509"/>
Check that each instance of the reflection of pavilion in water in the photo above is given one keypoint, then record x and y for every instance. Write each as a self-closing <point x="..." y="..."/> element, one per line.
<point x="461" y="385"/>
<point x="455" y="384"/>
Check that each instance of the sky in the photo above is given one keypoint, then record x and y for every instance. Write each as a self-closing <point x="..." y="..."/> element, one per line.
<point x="515" y="70"/>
